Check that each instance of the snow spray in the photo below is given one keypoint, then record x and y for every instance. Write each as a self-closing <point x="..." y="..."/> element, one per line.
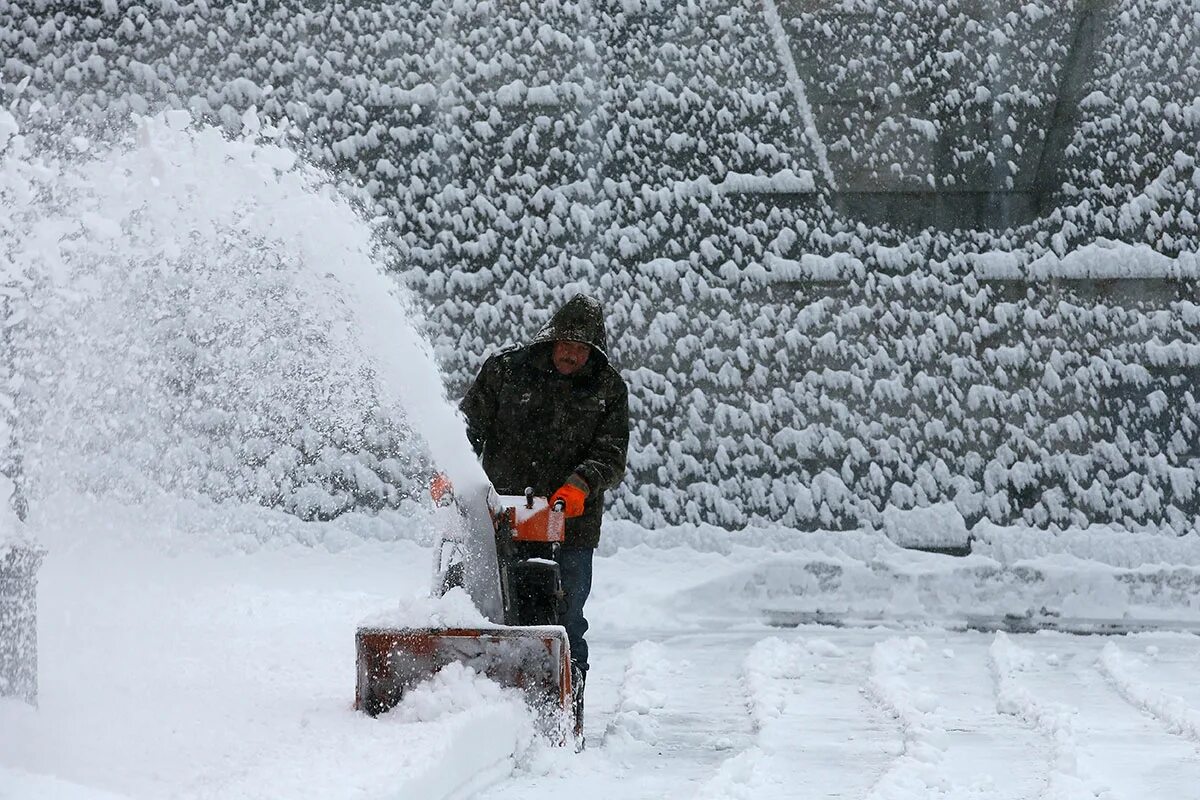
<point x="180" y="266"/>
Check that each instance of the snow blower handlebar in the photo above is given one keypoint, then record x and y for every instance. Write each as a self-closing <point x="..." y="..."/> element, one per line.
<point x="560" y="505"/>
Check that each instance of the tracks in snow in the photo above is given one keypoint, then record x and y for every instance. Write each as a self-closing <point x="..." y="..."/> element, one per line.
<point x="1171" y="710"/>
<point x="811" y="721"/>
<point x="1103" y="746"/>
<point x="869" y="715"/>
<point x="662" y="716"/>
<point x="955" y="744"/>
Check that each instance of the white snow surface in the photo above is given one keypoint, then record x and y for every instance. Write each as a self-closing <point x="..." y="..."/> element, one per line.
<point x="178" y="664"/>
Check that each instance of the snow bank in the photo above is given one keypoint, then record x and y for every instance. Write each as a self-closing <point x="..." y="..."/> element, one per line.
<point x="789" y="576"/>
<point x="939" y="525"/>
<point x="622" y="534"/>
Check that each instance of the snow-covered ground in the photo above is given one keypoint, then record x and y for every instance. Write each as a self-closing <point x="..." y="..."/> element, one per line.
<point x="181" y="666"/>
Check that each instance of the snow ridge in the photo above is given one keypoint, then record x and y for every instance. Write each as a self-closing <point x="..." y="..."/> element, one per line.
<point x="745" y="775"/>
<point x="1172" y="710"/>
<point x="919" y="771"/>
<point x="641" y="697"/>
<point x="770" y="766"/>
<point x="1053" y="720"/>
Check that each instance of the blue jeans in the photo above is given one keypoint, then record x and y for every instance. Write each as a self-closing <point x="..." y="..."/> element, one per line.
<point x="575" y="566"/>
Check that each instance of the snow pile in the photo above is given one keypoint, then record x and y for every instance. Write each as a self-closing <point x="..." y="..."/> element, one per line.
<point x="453" y="690"/>
<point x="640" y="699"/>
<point x="481" y="734"/>
<point x="939" y="525"/>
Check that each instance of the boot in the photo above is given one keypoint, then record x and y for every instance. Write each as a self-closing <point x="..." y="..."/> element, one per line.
<point x="578" y="679"/>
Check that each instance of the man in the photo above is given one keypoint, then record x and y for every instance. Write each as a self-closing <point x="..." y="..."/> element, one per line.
<point x="554" y="415"/>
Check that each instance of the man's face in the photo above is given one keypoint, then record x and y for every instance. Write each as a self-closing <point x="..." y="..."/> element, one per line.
<point x="569" y="357"/>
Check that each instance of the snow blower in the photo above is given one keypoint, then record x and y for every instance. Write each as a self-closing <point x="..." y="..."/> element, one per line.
<point x="505" y="557"/>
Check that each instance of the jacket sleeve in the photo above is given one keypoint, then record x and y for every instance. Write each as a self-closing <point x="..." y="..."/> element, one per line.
<point x="479" y="405"/>
<point x="604" y="465"/>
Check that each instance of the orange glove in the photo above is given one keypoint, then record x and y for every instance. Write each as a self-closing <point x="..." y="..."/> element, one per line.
<point x="440" y="488"/>
<point x="572" y="493"/>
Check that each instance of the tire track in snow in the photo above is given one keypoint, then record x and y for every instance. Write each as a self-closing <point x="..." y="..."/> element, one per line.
<point x="1170" y="710"/>
<point x="955" y="745"/>
<point x="917" y="771"/>
<point x="811" y="721"/>
<point x="1054" y="720"/>
<point x="1102" y="743"/>
<point x="674" y="715"/>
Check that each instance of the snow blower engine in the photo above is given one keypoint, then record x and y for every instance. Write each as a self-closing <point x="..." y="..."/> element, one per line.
<point x="505" y="556"/>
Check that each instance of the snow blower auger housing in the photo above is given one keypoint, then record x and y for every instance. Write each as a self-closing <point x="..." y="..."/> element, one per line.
<point x="524" y="646"/>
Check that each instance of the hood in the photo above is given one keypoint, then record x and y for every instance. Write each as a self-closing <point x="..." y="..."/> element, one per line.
<point x="581" y="319"/>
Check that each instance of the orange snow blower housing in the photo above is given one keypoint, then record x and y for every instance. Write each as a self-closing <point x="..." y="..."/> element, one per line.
<point x="527" y="649"/>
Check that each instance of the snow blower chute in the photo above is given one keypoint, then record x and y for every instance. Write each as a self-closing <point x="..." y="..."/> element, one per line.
<point x="504" y="555"/>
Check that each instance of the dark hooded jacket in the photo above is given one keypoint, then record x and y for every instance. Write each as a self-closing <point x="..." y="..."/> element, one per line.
<point x="533" y="426"/>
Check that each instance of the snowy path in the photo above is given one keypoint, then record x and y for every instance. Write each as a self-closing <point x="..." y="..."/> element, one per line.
<point x="830" y="713"/>
<point x="956" y="744"/>
<point x="231" y="677"/>
<point x="661" y="719"/>
<point x="813" y="719"/>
